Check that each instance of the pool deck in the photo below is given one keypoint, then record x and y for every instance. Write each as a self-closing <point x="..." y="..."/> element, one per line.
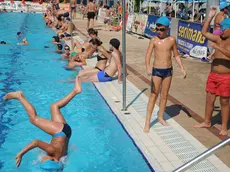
<point x="166" y="148"/>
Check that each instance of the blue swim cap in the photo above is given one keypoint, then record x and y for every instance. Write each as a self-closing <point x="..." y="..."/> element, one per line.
<point x="225" y="24"/>
<point x="223" y="5"/>
<point x="163" y="21"/>
<point x="67" y="19"/>
<point x="50" y="165"/>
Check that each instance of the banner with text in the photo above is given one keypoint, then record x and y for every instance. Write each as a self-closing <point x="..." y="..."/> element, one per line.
<point x="101" y="14"/>
<point x="139" y="23"/>
<point x="190" y="40"/>
<point x="18" y="6"/>
<point x="129" y="24"/>
<point x="151" y="25"/>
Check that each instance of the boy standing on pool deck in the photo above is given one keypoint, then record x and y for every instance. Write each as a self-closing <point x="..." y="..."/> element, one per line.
<point x="218" y="83"/>
<point x="163" y="46"/>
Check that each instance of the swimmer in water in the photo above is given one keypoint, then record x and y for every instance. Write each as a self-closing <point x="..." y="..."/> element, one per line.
<point x="66" y="52"/>
<point x="24" y="40"/>
<point x="55" y="40"/>
<point x="59" y="49"/>
<point x="2" y="42"/>
<point x="57" y="127"/>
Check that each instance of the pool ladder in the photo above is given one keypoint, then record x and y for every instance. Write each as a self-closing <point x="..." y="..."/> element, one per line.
<point x="202" y="156"/>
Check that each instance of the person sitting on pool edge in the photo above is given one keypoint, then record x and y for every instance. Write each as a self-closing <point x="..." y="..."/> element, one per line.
<point x="77" y="45"/>
<point x="114" y="66"/>
<point x="57" y="127"/>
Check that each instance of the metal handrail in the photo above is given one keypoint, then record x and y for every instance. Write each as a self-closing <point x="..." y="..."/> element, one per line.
<point x="202" y="156"/>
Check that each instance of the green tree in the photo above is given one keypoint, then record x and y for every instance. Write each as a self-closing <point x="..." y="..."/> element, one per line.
<point x="137" y="4"/>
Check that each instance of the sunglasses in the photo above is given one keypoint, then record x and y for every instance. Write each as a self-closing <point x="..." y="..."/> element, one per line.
<point x="160" y="29"/>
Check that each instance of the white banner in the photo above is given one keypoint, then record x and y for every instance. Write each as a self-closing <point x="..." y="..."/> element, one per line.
<point x="101" y="14"/>
<point x="18" y="6"/>
<point x="140" y="21"/>
<point x="129" y="25"/>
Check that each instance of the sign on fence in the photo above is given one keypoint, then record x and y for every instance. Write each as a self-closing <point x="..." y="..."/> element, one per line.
<point x="190" y="40"/>
<point x="130" y="21"/>
<point x="139" y="23"/>
<point x="151" y="25"/>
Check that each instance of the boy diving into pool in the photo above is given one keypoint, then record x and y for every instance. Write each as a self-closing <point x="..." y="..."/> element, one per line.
<point x="56" y="127"/>
<point x="161" y="71"/>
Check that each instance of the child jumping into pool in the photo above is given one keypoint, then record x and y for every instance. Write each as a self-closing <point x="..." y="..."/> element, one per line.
<point x="57" y="128"/>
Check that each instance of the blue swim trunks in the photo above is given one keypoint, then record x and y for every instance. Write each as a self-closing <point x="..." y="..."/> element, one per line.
<point x="103" y="76"/>
<point x="163" y="73"/>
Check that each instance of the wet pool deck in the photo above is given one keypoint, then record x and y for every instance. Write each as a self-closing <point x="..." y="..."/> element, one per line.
<point x="166" y="148"/>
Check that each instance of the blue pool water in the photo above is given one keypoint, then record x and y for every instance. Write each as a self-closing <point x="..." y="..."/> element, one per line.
<point x="98" y="143"/>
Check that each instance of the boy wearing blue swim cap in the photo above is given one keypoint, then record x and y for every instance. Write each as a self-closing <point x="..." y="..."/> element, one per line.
<point x="57" y="127"/>
<point x="218" y="83"/>
<point x="161" y="71"/>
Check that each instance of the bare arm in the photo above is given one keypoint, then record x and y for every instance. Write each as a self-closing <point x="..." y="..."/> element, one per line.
<point x="74" y="63"/>
<point x="36" y="143"/>
<point x="206" y="25"/>
<point x="178" y="57"/>
<point x="117" y="60"/>
<point x="148" y="55"/>
<point x="104" y="52"/>
<point x="83" y="62"/>
<point x="224" y="51"/>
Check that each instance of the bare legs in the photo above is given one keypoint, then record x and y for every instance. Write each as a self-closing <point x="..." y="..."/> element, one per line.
<point x="55" y="108"/>
<point x="209" y="107"/>
<point x="89" y="76"/>
<point x="166" y="82"/>
<point x="49" y="126"/>
<point x="88" y="24"/>
<point x="91" y="22"/>
<point x="224" y="102"/>
<point x="76" y="43"/>
<point x="157" y="84"/>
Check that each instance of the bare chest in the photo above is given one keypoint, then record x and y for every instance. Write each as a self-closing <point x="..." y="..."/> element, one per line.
<point x="163" y="45"/>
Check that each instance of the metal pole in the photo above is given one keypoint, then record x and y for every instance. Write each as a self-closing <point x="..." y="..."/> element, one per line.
<point x="71" y="29"/>
<point x="202" y="156"/>
<point x="193" y="8"/>
<point x="124" y="55"/>
<point x="176" y="10"/>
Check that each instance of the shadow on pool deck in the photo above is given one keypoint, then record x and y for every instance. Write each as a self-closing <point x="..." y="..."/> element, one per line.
<point x="186" y="103"/>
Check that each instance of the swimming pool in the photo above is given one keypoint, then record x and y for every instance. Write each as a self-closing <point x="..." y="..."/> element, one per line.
<point x="98" y="143"/>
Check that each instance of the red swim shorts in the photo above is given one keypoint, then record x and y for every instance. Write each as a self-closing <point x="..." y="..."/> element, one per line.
<point x="218" y="84"/>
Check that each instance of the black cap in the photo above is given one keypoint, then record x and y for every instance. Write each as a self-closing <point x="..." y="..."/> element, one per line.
<point x="115" y="43"/>
<point x="56" y="38"/>
<point x="66" y="14"/>
<point x="59" y="46"/>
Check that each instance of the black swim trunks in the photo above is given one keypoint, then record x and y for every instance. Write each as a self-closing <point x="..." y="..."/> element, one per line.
<point x="90" y="15"/>
<point x="66" y="132"/>
<point x="163" y="73"/>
